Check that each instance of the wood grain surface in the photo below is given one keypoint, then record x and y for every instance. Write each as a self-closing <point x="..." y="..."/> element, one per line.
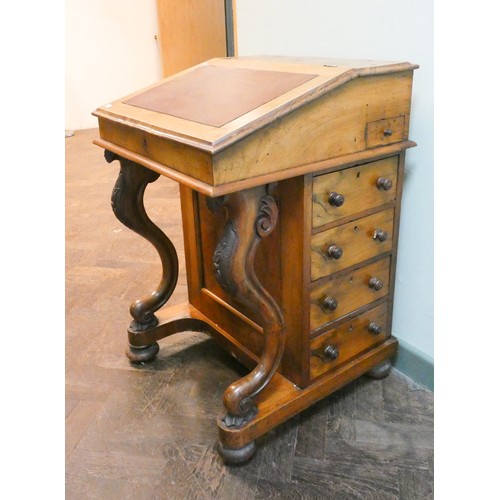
<point x="350" y="338"/>
<point x="332" y="125"/>
<point x="356" y="239"/>
<point x="190" y="33"/>
<point x="358" y="186"/>
<point x="350" y="291"/>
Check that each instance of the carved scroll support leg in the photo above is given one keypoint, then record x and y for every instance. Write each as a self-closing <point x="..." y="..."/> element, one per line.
<point x="127" y="202"/>
<point x="251" y="216"/>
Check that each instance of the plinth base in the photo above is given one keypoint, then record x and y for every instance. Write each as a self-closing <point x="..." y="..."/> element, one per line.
<point x="280" y="400"/>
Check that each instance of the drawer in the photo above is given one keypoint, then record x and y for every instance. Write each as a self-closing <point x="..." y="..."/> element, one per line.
<point x="349" y="244"/>
<point x="359" y="189"/>
<point x="348" y="340"/>
<point x="386" y="131"/>
<point x="343" y="294"/>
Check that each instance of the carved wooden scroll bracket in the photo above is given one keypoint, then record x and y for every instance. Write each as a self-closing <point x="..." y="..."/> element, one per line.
<point x="127" y="202"/>
<point x="251" y="216"/>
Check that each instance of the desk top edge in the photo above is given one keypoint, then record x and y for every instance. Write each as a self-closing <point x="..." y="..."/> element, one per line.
<point x="214" y="191"/>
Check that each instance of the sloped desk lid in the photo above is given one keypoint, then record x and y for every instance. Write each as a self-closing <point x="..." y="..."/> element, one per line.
<point x="217" y="103"/>
<point x="215" y="95"/>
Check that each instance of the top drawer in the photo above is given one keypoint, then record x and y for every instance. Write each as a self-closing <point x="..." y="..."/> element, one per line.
<point x="386" y="131"/>
<point x="360" y="188"/>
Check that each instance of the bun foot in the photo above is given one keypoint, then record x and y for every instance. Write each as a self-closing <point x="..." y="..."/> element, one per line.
<point x="142" y="354"/>
<point x="380" y="371"/>
<point x="237" y="455"/>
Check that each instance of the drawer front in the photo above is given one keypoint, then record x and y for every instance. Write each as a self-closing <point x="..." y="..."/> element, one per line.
<point x="358" y="187"/>
<point x="346" y="245"/>
<point x="344" y="294"/>
<point x="383" y="132"/>
<point x="349" y="339"/>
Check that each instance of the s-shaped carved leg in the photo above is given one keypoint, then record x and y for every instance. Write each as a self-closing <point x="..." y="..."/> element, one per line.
<point x="127" y="202"/>
<point x="251" y="215"/>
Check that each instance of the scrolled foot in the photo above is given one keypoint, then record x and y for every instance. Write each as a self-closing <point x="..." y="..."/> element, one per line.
<point x="142" y="354"/>
<point x="380" y="371"/>
<point x="237" y="455"/>
<point x="248" y="411"/>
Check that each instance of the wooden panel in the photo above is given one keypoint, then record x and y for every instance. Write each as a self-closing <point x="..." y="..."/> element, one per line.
<point x="276" y="269"/>
<point x="240" y="330"/>
<point x="180" y="157"/>
<point x="190" y="32"/>
<point x="351" y="292"/>
<point x="395" y="236"/>
<point x="358" y="186"/>
<point x="231" y="187"/>
<point x="331" y="126"/>
<point x="355" y="239"/>
<point x="295" y="213"/>
<point x="216" y="95"/>
<point x="349" y="339"/>
<point x="386" y="131"/>
<point x="194" y="270"/>
<point x="267" y="257"/>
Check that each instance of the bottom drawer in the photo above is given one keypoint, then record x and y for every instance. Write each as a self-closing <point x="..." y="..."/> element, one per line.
<point x="349" y="339"/>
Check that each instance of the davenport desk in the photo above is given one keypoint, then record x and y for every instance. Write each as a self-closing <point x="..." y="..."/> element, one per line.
<point x="290" y="174"/>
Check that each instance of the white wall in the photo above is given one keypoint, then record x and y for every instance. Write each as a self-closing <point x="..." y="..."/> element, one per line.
<point x="400" y="30"/>
<point x="110" y="52"/>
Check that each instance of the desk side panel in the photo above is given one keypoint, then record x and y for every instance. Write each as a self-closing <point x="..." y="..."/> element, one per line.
<point x="278" y="264"/>
<point x="333" y="125"/>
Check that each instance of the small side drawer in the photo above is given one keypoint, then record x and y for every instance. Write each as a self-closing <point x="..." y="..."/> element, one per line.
<point x="348" y="340"/>
<point x="352" y="190"/>
<point x="344" y="294"/>
<point x="386" y="131"/>
<point x="346" y="245"/>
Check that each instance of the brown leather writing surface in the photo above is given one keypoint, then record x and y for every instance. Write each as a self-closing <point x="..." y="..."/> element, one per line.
<point x="216" y="95"/>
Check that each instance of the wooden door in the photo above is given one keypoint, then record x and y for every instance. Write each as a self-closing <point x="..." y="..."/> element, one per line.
<point x="193" y="31"/>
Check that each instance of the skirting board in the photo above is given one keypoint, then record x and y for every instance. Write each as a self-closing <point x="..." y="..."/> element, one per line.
<point x="414" y="364"/>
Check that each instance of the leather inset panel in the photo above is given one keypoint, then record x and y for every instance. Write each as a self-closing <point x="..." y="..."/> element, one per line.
<point x="216" y="95"/>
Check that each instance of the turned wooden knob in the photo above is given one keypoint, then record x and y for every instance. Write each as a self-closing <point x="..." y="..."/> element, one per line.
<point x="374" y="328"/>
<point x="330" y="304"/>
<point x="380" y="235"/>
<point x="335" y="199"/>
<point x="334" y="252"/>
<point x="375" y="284"/>
<point x="387" y="132"/>
<point x="331" y="352"/>
<point x="384" y="183"/>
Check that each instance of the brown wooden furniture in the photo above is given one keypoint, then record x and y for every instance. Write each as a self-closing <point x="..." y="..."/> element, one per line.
<point x="291" y="177"/>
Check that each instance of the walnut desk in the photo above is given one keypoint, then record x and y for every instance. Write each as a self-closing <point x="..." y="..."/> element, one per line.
<point x="290" y="174"/>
